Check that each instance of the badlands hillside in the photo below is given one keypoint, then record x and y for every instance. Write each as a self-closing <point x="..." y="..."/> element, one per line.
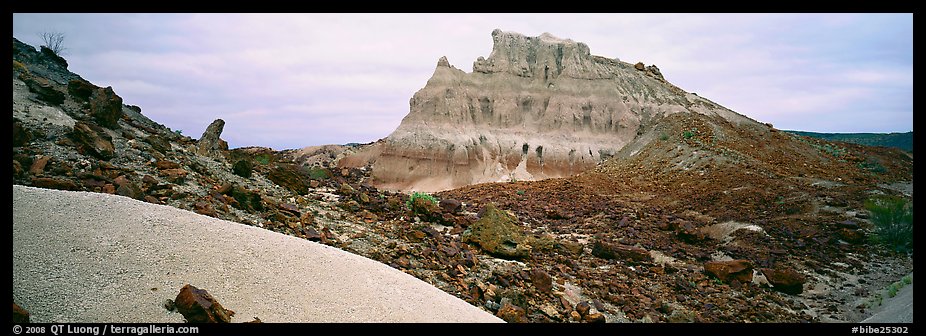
<point x="651" y="205"/>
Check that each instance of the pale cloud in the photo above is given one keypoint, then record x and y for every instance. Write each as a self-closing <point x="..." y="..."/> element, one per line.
<point x="293" y="80"/>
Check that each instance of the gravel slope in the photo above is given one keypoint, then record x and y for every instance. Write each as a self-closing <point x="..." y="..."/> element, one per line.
<point x="89" y="257"/>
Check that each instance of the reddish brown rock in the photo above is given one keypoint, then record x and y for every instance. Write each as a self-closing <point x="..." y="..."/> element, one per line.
<point x="20" y="315"/>
<point x="152" y="199"/>
<point x="639" y="66"/>
<point x="130" y="190"/>
<point x="595" y="318"/>
<point x="312" y="234"/>
<point x="542" y="281"/>
<point x="607" y="250"/>
<point x="583" y="308"/>
<point x="174" y="175"/>
<point x="38" y="165"/>
<point x="451" y="206"/>
<point x="727" y="271"/>
<point x="92" y="140"/>
<point x="164" y="164"/>
<point x="106" y="107"/>
<point x="81" y="89"/>
<point x="204" y="208"/>
<point x="198" y="306"/>
<point x="785" y="280"/>
<point x="54" y="183"/>
<point x="313" y="184"/>
<point x="511" y="313"/>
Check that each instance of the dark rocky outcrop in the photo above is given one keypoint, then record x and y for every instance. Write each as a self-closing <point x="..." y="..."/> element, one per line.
<point x="106" y="107"/>
<point x="209" y="142"/>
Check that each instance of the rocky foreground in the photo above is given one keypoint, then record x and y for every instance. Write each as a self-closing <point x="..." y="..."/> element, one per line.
<point x="688" y="221"/>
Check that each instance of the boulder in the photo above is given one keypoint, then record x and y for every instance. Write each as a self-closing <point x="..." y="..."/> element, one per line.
<point x="92" y="140"/>
<point x="512" y="313"/>
<point x="209" y="141"/>
<point x="639" y="66"/>
<point x="204" y="208"/>
<point x="175" y="175"/>
<point x="729" y="270"/>
<point x="583" y="308"/>
<point x="131" y="190"/>
<point x="80" y="89"/>
<point x="606" y="250"/>
<point x="595" y="318"/>
<point x="165" y="164"/>
<point x="785" y="280"/>
<point x="198" y="306"/>
<point x="45" y="90"/>
<point x="542" y="281"/>
<point x="106" y="107"/>
<point x="499" y="234"/>
<point x="55" y="183"/>
<point x="450" y="206"/>
<point x="38" y="165"/>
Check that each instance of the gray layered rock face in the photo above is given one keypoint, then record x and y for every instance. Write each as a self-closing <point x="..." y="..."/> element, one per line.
<point x="536" y="108"/>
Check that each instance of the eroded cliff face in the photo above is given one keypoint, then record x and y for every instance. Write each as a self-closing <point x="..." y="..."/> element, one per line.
<point x="536" y="108"/>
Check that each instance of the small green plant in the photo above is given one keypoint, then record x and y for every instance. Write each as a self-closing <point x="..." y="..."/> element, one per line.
<point x="892" y="290"/>
<point x="179" y="132"/>
<point x="908" y="279"/>
<point x="689" y="134"/>
<point x="416" y="195"/>
<point x="663" y="136"/>
<point x="893" y="220"/>
<point x="262" y="159"/>
<point x="872" y="166"/>
<point x="318" y="173"/>
<point x="520" y="192"/>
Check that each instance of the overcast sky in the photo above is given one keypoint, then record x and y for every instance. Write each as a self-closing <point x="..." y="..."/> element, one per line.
<point x="294" y="80"/>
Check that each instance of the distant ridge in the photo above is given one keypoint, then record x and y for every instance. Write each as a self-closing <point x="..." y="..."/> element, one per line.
<point x="898" y="140"/>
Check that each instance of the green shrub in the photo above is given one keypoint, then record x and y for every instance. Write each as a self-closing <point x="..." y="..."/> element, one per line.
<point x="318" y="173"/>
<point x="892" y="290"/>
<point x="893" y="220"/>
<point x="663" y="137"/>
<point x="520" y="192"/>
<point x="908" y="279"/>
<point x="416" y="195"/>
<point x="688" y="134"/>
<point x="262" y="159"/>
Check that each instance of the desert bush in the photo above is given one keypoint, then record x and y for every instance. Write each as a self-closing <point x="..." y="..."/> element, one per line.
<point x="688" y="134"/>
<point x="262" y="159"/>
<point x="419" y="195"/>
<point x="318" y="173"/>
<point x="893" y="220"/>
